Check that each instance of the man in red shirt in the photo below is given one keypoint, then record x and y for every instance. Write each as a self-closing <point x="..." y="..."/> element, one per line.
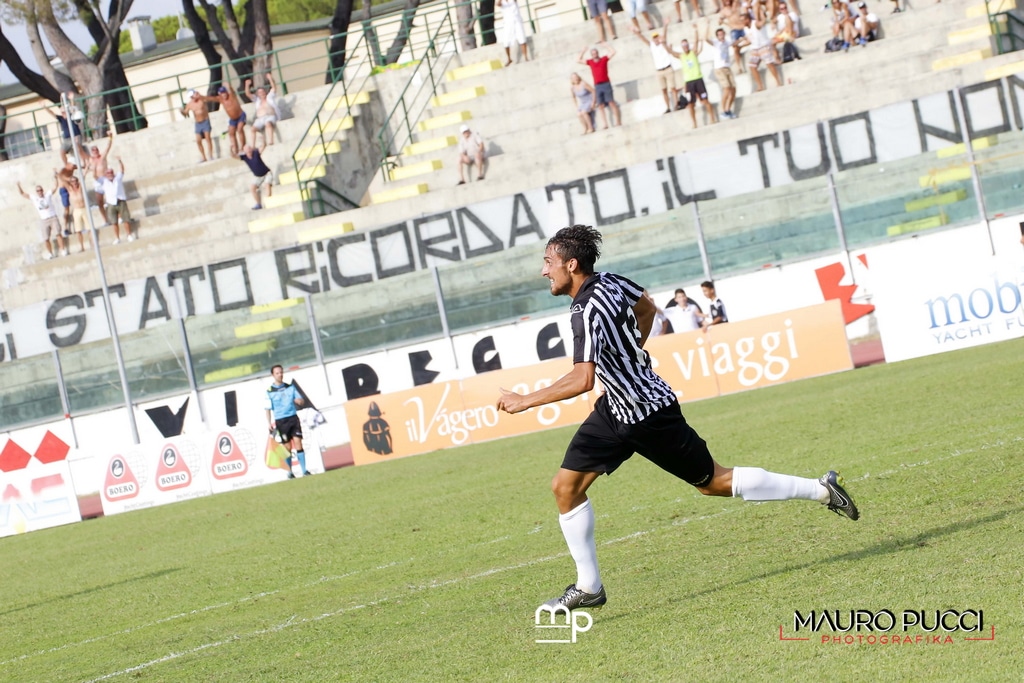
<point x="602" y="85"/>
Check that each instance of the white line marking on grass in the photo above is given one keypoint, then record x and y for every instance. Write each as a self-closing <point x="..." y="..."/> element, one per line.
<point x="437" y="583"/>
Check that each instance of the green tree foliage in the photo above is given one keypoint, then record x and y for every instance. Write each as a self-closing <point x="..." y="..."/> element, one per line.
<point x="280" y="11"/>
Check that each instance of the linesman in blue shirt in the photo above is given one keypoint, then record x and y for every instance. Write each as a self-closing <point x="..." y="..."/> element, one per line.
<point x="282" y="415"/>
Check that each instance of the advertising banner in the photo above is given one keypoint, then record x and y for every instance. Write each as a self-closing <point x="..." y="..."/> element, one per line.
<point x="38" y="492"/>
<point x="724" y="359"/>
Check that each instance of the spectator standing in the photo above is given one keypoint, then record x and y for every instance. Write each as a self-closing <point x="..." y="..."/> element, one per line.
<point x="865" y="24"/>
<point x="70" y="133"/>
<point x="662" y="55"/>
<point x="604" y="96"/>
<point x="684" y="313"/>
<point x="635" y="7"/>
<point x="97" y="165"/>
<point x="78" y="211"/>
<point x="267" y="111"/>
<point x="602" y="19"/>
<point x="262" y="175"/>
<point x="49" y="225"/>
<point x="731" y="15"/>
<point x="471" y="151"/>
<point x="716" y="313"/>
<point x="513" y="31"/>
<point x="117" y="203"/>
<point x="283" y="401"/>
<point x="583" y="96"/>
<point x="201" y="113"/>
<point x="228" y="99"/>
<point x="755" y="34"/>
<point x="693" y="78"/>
<point x="721" y="45"/>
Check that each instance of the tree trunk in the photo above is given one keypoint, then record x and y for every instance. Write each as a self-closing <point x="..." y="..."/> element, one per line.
<point x="205" y="43"/>
<point x="339" y="37"/>
<point x="28" y="78"/>
<point x="262" y="41"/>
<point x="235" y="45"/>
<point x="59" y="79"/>
<point x="86" y="74"/>
<point x="408" y="14"/>
<point x="119" y="97"/>
<point x="464" y="15"/>
<point x="487" y="36"/>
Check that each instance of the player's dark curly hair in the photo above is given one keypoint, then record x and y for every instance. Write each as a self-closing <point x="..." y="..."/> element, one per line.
<point x="580" y="242"/>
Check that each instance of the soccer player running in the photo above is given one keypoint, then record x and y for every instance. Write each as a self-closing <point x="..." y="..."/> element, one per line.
<point x="282" y="415"/>
<point x="638" y="411"/>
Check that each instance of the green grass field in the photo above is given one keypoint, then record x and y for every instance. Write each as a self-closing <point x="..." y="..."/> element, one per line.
<point x="430" y="568"/>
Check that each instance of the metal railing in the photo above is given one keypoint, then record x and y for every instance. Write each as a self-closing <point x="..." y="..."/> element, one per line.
<point x="397" y="128"/>
<point x="1007" y="28"/>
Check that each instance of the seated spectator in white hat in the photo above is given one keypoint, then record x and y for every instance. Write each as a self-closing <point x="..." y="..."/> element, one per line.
<point x="865" y="24"/>
<point x="471" y="151"/>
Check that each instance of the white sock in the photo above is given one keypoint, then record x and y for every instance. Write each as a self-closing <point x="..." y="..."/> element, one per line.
<point x="578" y="529"/>
<point x="754" y="483"/>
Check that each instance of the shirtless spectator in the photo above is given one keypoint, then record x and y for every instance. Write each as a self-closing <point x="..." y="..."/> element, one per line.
<point x="49" y="226"/>
<point x="267" y="113"/>
<point x="602" y="83"/>
<point x="228" y="98"/>
<point x="96" y="164"/>
<point x="197" y="105"/>
<point x="721" y="49"/>
<point x="761" y="48"/>
<point x="866" y="24"/>
<point x="731" y="16"/>
<point x="78" y="211"/>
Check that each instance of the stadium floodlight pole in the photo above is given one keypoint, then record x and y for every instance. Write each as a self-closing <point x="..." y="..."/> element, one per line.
<point x="111" y="325"/>
<point x="975" y="178"/>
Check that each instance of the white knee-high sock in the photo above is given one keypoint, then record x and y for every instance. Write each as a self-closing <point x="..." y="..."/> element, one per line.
<point x="754" y="483"/>
<point x="578" y="529"/>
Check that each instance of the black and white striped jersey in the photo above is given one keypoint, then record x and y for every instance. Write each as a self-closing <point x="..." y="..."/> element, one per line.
<point x="605" y="333"/>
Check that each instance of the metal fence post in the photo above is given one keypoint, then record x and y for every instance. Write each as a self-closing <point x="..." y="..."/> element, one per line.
<point x="701" y="243"/>
<point x="975" y="178"/>
<point x="837" y="218"/>
<point x="443" y="313"/>
<point x="62" y="389"/>
<point x="318" y="349"/>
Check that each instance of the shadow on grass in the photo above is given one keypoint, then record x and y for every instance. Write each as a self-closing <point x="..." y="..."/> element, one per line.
<point x="87" y="591"/>
<point x="894" y="545"/>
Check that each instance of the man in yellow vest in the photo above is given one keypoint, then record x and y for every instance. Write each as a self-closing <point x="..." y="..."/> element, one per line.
<point x="693" y="78"/>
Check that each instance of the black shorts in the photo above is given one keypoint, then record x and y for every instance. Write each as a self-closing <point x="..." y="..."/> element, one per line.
<point x="696" y="90"/>
<point x="602" y="443"/>
<point x="290" y="427"/>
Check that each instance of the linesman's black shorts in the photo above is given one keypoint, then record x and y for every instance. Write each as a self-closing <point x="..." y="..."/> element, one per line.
<point x="602" y="443"/>
<point x="290" y="427"/>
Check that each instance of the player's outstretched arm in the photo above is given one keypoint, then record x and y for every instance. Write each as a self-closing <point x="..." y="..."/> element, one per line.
<point x="577" y="381"/>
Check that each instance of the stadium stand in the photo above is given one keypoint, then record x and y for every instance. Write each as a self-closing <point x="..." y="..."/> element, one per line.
<point x="193" y="214"/>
